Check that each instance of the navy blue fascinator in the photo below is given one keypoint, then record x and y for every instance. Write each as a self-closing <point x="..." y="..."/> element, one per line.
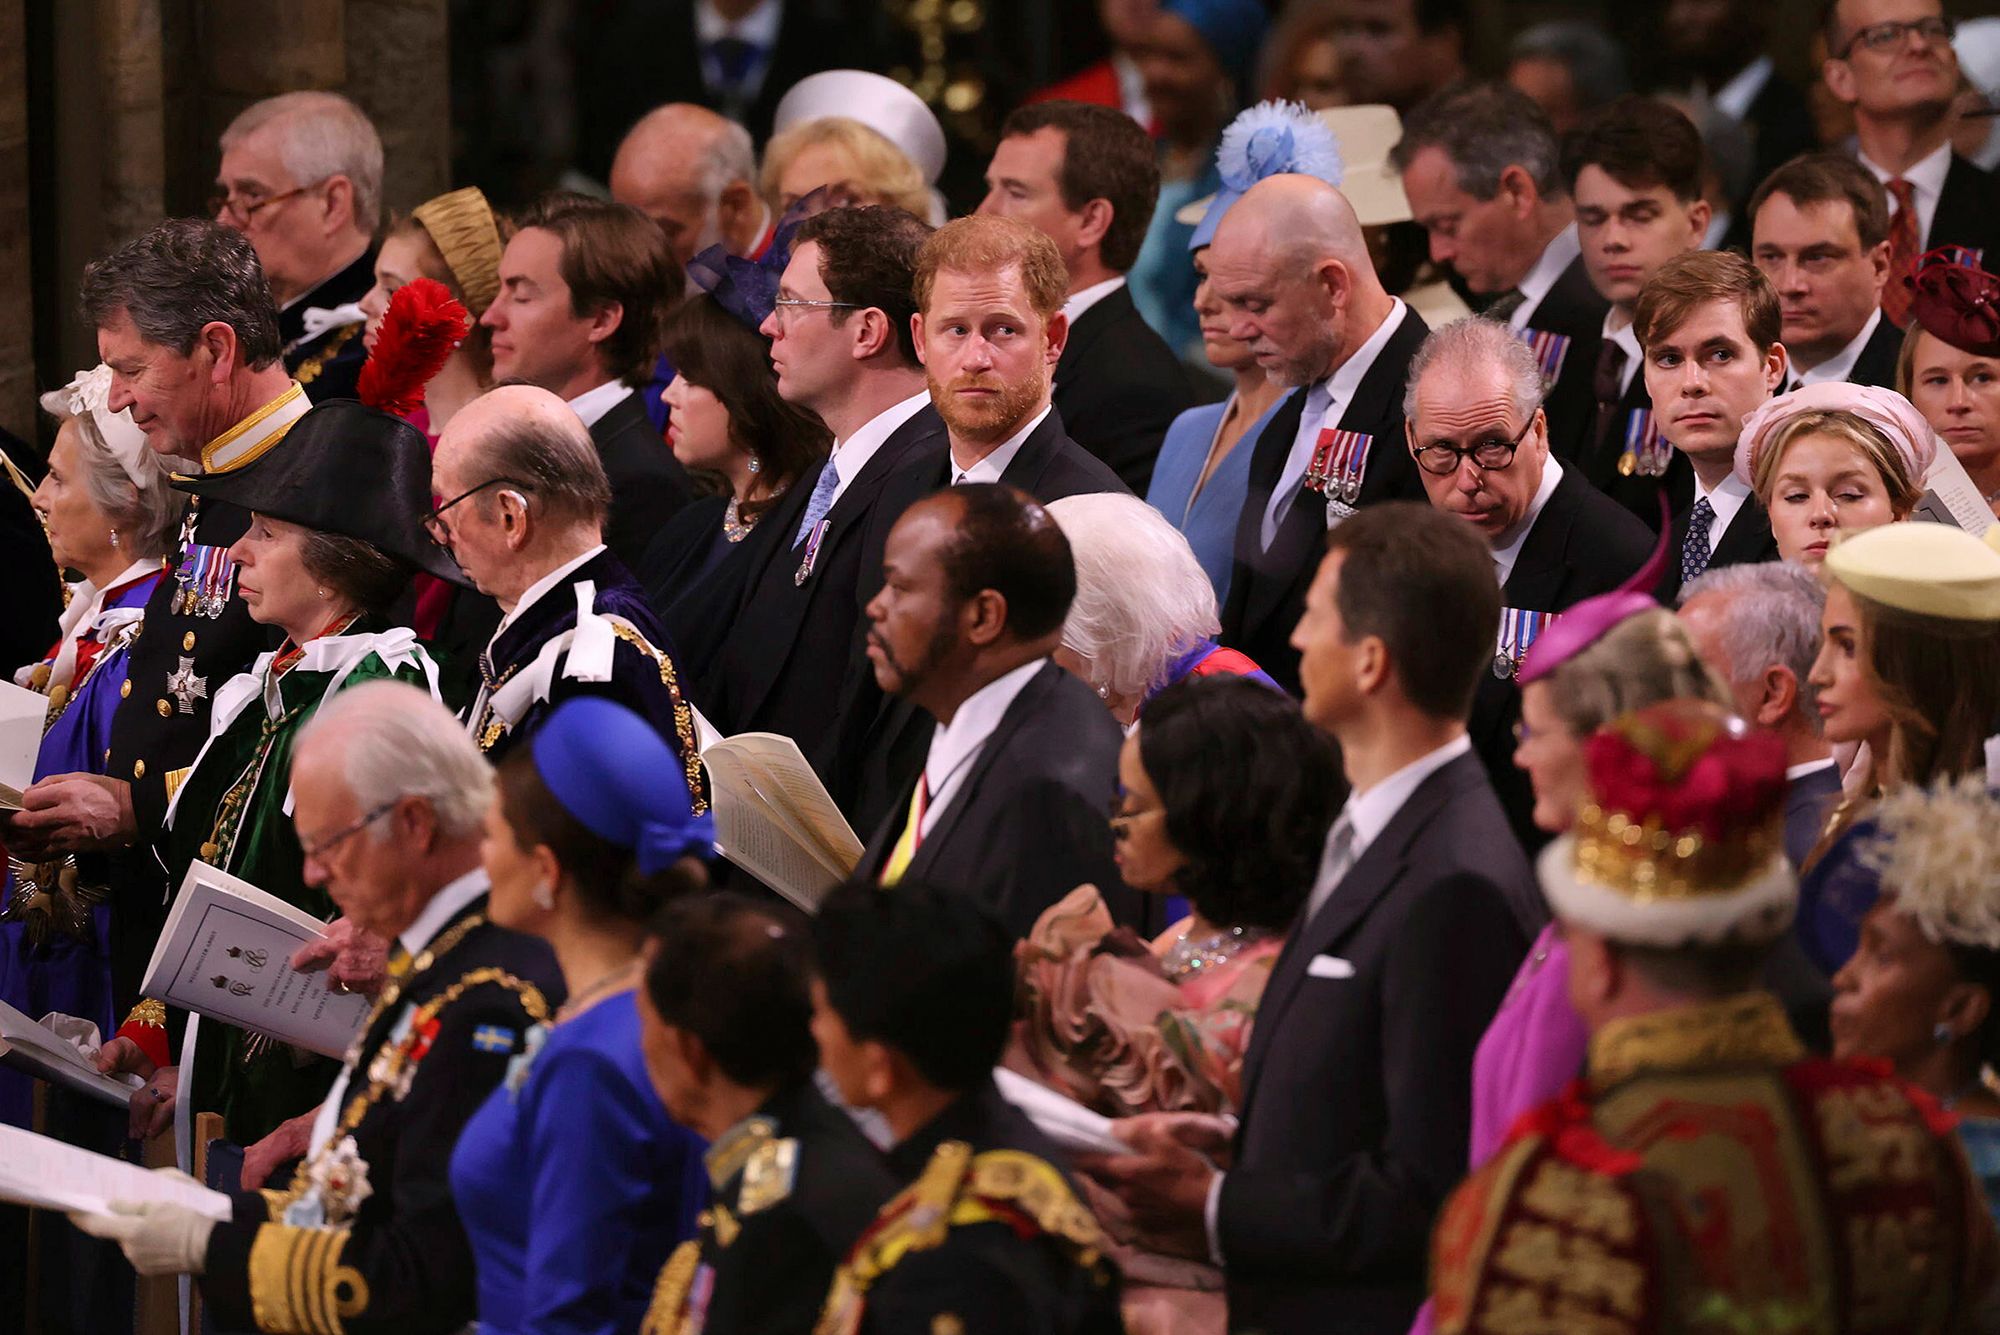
<point x="747" y="288"/>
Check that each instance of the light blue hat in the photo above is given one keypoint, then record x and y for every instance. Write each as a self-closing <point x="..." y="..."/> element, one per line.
<point x="1269" y="139"/>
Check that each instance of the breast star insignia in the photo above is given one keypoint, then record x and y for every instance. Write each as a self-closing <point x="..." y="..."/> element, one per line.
<point x="185" y="687"/>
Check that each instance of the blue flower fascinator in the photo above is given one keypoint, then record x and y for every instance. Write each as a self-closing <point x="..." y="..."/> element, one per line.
<point x="1269" y="139"/>
<point x="747" y="288"/>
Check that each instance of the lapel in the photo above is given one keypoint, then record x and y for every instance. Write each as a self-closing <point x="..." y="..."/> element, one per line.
<point x="1964" y="209"/>
<point x="1572" y="306"/>
<point x="1267" y="459"/>
<point x="1089" y="330"/>
<point x="1748" y="538"/>
<point x="1877" y="363"/>
<point x="1037" y="452"/>
<point x="1541" y="569"/>
<point x="1026" y="706"/>
<point x="417" y="986"/>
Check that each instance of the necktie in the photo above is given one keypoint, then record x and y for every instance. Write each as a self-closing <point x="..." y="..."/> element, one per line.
<point x="905" y="850"/>
<point x="1607" y="382"/>
<point x="819" y="502"/>
<point x="1319" y="399"/>
<point x="1334" y="864"/>
<point x="1504" y="305"/>
<point x="1903" y="246"/>
<point x="1694" y="547"/>
<point x="733" y="58"/>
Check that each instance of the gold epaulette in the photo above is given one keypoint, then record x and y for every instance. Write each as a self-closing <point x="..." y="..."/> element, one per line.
<point x="1028" y="1187"/>
<point x="685" y="742"/>
<point x="298" y="1285"/>
<point x="663" y="1316"/>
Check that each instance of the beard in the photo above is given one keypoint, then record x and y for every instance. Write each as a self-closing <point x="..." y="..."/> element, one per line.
<point x="987" y="421"/>
<point x="905" y="678"/>
<point x="1311" y="363"/>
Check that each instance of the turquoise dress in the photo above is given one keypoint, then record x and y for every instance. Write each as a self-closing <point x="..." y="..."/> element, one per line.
<point x="1207" y="520"/>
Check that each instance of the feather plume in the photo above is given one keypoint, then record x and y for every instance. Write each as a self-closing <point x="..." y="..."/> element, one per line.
<point x="423" y="324"/>
<point x="1278" y="137"/>
<point x="1935" y="851"/>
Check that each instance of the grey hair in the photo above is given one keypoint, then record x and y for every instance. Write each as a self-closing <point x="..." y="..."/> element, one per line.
<point x="1484" y="128"/>
<point x="1142" y="599"/>
<point x="401" y="742"/>
<point x="146" y="518"/>
<point x="1595" y="62"/>
<point x="1771" y="618"/>
<point x="1476" y="342"/>
<point x="554" y="457"/>
<point x="727" y="157"/>
<point x="321" y="135"/>
<point x="181" y="276"/>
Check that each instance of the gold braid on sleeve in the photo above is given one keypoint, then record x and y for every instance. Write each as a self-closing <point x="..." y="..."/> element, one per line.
<point x="297" y="1284"/>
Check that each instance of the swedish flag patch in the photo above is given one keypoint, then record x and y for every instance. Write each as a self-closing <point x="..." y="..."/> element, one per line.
<point x="493" y="1038"/>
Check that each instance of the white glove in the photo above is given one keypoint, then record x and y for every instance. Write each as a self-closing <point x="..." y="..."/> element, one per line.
<point x="157" y="1238"/>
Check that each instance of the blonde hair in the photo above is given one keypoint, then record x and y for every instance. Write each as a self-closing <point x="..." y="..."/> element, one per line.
<point x="1644" y="659"/>
<point x="880" y="168"/>
<point x="1850" y="429"/>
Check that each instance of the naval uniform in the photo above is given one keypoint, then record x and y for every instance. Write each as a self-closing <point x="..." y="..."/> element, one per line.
<point x="367" y="1238"/>
<point x="795" y="1184"/>
<point x="988" y="1237"/>
<point x="322" y="332"/>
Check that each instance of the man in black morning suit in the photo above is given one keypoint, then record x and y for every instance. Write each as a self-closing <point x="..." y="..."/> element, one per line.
<point x="1357" y="1084"/>
<point x="1323" y="323"/>
<point x="853" y="362"/>
<point x="377" y="1247"/>
<point x="1087" y="177"/>
<point x="1010" y="802"/>
<point x="1555" y="539"/>
<point x="1481" y="168"/>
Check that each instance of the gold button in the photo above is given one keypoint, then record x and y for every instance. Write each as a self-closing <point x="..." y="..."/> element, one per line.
<point x="208" y="852"/>
<point x="166" y="710"/>
<point x="187" y="640"/>
<point x="125" y="688"/>
<point x="138" y="769"/>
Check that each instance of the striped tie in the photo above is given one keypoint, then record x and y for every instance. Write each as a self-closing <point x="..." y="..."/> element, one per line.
<point x="905" y="850"/>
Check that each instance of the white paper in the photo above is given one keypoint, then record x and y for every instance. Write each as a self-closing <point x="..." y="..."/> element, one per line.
<point x="774" y="818"/>
<point x="23" y="715"/>
<point x="35" y="1170"/>
<point x="1951" y="497"/>
<point x="33" y="1048"/>
<point x="226" y="953"/>
<point x="1059" y="1117"/>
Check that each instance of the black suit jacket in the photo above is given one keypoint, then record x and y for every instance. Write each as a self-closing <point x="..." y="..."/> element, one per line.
<point x="1573" y="310"/>
<point x="1637" y="492"/>
<point x="1583" y="543"/>
<point x="1877" y="363"/>
<point x="1358" y="1080"/>
<point x="1118" y="386"/>
<point x="1968" y="211"/>
<point x="1030" y="821"/>
<point x="1267" y="589"/>
<point x="1781" y="127"/>
<point x="1746" y="541"/>
<point x="647" y="483"/>
<point x="328" y="364"/>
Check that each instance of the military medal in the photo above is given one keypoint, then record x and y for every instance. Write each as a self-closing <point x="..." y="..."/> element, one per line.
<point x="1645" y="453"/>
<point x="1519" y="628"/>
<point x="1339" y="463"/>
<point x="1549" y="350"/>
<point x="813" y="539"/>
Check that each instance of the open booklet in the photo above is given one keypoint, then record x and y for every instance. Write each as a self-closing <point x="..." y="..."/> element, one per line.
<point x="1059" y="1117"/>
<point x="775" y="819"/>
<point x="225" y="953"/>
<point x="23" y="716"/>
<point x="35" y="1170"/>
<point x="1951" y="497"/>
<point x="36" y="1050"/>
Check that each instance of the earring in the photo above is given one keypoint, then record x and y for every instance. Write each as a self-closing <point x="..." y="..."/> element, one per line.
<point x="323" y="595"/>
<point x="756" y="464"/>
<point x="1943" y="1035"/>
<point x="114" y="537"/>
<point x="544" y="896"/>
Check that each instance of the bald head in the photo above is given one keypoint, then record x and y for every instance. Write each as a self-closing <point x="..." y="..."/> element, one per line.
<point x="528" y="448"/>
<point x="693" y="173"/>
<point x="1290" y="267"/>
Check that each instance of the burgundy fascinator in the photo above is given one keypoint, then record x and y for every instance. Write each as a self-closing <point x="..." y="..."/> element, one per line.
<point x="1957" y="301"/>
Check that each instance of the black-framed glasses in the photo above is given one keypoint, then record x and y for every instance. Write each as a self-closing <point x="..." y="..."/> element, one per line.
<point x="317" y="850"/>
<point x="1887" y="36"/>
<point x="434" y="518"/>
<point x="1490" y="455"/>
<point x="225" y="204"/>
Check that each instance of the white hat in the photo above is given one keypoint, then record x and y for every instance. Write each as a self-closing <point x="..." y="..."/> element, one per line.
<point x="89" y="395"/>
<point x="874" y="100"/>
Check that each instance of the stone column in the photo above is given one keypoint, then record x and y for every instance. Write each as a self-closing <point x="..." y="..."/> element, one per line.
<point x="399" y="72"/>
<point x="17" y="363"/>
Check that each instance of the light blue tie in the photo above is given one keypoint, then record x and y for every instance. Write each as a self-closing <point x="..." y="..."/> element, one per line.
<point x="820" y="502"/>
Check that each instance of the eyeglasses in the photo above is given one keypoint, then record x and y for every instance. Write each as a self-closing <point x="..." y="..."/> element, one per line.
<point x="434" y="518"/>
<point x="319" y="848"/>
<point x="223" y="204"/>
<point x="1887" y="36"/>
<point x="787" y="304"/>
<point x="1490" y="455"/>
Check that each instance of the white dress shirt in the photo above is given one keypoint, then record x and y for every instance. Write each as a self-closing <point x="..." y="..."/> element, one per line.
<point x="444" y="906"/>
<point x="850" y="456"/>
<point x="1366" y="814"/>
<point x="545" y="585"/>
<point x="1326" y="401"/>
<point x="1508" y="552"/>
<point x="1793" y="773"/>
<point x="1558" y="255"/>
<point x="994" y="464"/>
<point x="1841" y="364"/>
<point x="1733" y="99"/>
<point x="1926" y="178"/>
<point x="955" y="745"/>
<point x="1619" y="329"/>
<point x="1079" y="302"/>
<point x="1725" y="500"/>
<point x="592" y="404"/>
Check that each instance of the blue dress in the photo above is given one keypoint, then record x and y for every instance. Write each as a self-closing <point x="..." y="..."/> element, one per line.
<point x="1208" y="520"/>
<point x="573" y="1182"/>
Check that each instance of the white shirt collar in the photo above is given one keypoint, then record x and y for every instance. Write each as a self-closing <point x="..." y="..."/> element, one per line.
<point x="1079" y="302"/>
<point x="1558" y="255"/>
<point x="546" y="584"/>
<point x="1619" y="329"/>
<point x="850" y="456"/>
<point x="1719" y="224"/>
<point x="993" y="465"/>
<point x="1727" y="498"/>
<point x="759" y="26"/>
<point x="1505" y="556"/>
<point x="1841" y="364"/>
<point x="1370" y="811"/>
<point x="954" y="744"/>
<point x="1793" y="773"/>
<point x="1733" y="99"/>
<point x="1926" y="178"/>
<point x="444" y="906"/>
<point x="592" y="404"/>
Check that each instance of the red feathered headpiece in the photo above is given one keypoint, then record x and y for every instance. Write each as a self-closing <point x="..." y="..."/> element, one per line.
<point x="423" y="324"/>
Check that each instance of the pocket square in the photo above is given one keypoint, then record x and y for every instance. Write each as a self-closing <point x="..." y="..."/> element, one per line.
<point x="1329" y="966"/>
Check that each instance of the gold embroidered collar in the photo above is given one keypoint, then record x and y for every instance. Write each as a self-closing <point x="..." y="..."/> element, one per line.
<point x="251" y="438"/>
<point x="726" y="1157"/>
<point x="1746" y="1030"/>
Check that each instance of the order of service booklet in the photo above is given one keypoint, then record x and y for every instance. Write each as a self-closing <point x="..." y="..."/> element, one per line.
<point x="226" y="952"/>
<point x="774" y="818"/>
<point x="35" y="1170"/>
<point x="31" y="1047"/>
<point x="23" y="715"/>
